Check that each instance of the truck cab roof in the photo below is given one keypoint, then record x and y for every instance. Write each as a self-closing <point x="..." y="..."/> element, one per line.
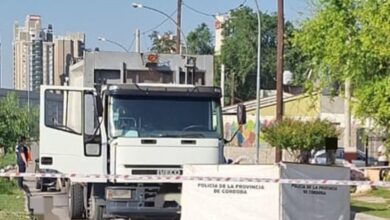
<point x="164" y="90"/>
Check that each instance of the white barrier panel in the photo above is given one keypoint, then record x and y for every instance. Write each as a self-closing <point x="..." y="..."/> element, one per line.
<point x="302" y="201"/>
<point x="204" y="199"/>
<point x="213" y="200"/>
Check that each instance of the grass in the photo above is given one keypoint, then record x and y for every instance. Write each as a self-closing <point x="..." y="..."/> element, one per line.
<point x="376" y="209"/>
<point x="11" y="197"/>
<point x="11" y="200"/>
<point x="8" y="159"/>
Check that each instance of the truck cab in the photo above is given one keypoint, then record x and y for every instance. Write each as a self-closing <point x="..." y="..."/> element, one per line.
<point x="145" y="130"/>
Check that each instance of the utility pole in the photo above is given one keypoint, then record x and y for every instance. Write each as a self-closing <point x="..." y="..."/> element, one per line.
<point x="349" y="152"/>
<point x="223" y="84"/>
<point x="279" y="73"/>
<point x="1" y="64"/>
<point x="258" y="87"/>
<point x="137" y="41"/>
<point x="178" y="28"/>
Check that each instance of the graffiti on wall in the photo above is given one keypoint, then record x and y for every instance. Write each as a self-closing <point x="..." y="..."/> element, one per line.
<point x="246" y="135"/>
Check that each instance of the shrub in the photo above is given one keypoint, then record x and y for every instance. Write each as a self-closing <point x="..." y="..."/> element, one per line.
<point x="16" y="120"/>
<point x="299" y="137"/>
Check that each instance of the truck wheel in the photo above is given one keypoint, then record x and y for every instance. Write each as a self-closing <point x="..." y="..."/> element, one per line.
<point x="43" y="188"/>
<point x="76" y="201"/>
<point x="38" y="183"/>
<point x="95" y="211"/>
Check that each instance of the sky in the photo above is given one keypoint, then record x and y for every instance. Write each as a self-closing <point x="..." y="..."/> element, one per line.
<point x="117" y="20"/>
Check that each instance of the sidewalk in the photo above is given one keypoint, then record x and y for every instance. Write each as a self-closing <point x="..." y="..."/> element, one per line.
<point x="362" y="216"/>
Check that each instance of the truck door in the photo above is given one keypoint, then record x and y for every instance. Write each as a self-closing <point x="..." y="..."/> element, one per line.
<point x="70" y="137"/>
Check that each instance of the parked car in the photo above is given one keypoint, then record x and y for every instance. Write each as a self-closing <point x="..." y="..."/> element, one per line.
<point x="320" y="158"/>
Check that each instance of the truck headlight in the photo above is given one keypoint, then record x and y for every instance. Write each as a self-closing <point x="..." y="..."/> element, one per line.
<point x="113" y="193"/>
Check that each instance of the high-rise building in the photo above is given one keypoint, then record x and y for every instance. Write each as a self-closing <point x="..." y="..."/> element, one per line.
<point x="219" y="19"/>
<point x="48" y="57"/>
<point x="39" y="58"/>
<point x="48" y="63"/>
<point x="68" y="50"/>
<point x="31" y="54"/>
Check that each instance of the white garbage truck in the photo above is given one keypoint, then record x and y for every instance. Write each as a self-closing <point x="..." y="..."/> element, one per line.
<point x="128" y="129"/>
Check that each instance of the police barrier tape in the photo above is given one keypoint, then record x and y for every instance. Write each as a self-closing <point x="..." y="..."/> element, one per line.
<point x="373" y="168"/>
<point x="179" y="179"/>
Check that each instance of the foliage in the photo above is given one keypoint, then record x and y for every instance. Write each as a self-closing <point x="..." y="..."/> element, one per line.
<point x="13" y="121"/>
<point x="373" y="101"/>
<point x="164" y="43"/>
<point x="11" y="201"/>
<point x="7" y="159"/>
<point x="296" y="135"/>
<point x="239" y="53"/>
<point x="348" y="39"/>
<point x="33" y="122"/>
<point x="199" y="41"/>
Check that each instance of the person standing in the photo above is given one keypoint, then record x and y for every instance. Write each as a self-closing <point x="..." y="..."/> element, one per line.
<point x="21" y="158"/>
<point x="382" y="159"/>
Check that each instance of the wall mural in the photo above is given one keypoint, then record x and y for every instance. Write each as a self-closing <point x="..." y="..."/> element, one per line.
<point x="246" y="136"/>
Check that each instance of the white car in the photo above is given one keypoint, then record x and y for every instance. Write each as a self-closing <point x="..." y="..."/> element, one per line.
<point x="320" y="158"/>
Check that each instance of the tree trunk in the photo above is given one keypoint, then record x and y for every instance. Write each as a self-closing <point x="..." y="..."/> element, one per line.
<point x="304" y="157"/>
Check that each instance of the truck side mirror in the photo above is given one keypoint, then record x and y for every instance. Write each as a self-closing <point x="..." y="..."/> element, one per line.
<point x="99" y="106"/>
<point x="241" y="114"/>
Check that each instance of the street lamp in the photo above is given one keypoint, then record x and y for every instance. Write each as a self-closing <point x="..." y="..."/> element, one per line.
<point x="136" y="5"/>
<point x="258" y="88"/>
<point x="113" y="42"/>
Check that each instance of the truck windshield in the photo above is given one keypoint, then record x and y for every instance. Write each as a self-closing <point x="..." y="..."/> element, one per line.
<point x="149" y="116"/>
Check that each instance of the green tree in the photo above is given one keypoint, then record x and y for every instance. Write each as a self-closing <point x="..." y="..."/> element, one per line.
<point x="374" y="102"/>
<point x="199" y="41"/>
<point x="350" y="40"/>
<point x="13" y="121"/>
<point x="299" y="137"/>
<point x="33" y="122"/>
<point x="164" y="43"/>
<point x="239" y="53"/>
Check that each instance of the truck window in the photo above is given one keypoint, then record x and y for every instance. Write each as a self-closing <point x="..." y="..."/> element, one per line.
<point x="164" y="117"/>
<point x="63" y="110"/>
<point x="90" y="114"/>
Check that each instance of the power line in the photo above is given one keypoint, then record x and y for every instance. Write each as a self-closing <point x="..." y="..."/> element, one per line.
<point x="157" y="26"/>
<point x="197" y="11"/>
<point x="211" y="15"/>
<point x="238" y="6"/>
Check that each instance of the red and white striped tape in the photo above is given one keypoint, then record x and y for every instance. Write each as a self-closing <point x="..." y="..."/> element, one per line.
<point x="373" y="168"/>
<point x="178" y="179"/>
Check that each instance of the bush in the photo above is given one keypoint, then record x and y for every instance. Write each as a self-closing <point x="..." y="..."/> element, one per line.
<point x="299" y="137"/>
<point x="16" y="120"/>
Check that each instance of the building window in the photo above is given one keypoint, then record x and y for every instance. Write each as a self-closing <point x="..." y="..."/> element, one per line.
<point x="149" y="76"/>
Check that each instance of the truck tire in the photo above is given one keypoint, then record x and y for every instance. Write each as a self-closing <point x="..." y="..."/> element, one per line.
<point x="43" y="188"/>
<point x="38" y="183"/>
<point x="76" y="201"/>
